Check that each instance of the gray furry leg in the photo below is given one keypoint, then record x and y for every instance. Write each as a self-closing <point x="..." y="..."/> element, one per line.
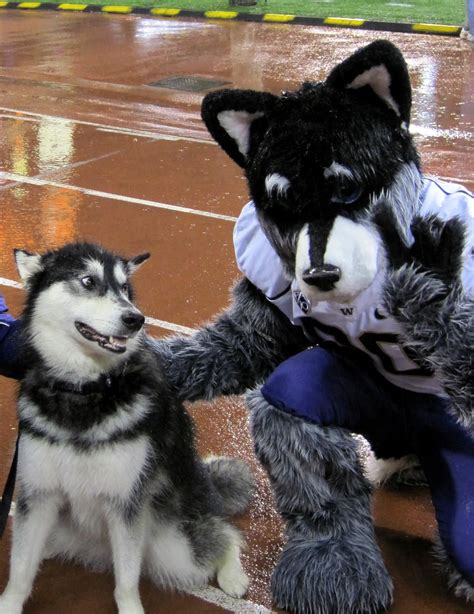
<point x="331" y="563"/>
<point x="456" y="581"/>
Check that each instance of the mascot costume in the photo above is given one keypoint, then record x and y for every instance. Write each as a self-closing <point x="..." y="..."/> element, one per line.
<point x="354" y="314"/>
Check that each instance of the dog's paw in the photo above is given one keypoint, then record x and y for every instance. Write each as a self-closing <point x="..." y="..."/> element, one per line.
<point x="131" y="609"/>
<point x="10" y="604"/>
<point x="129" y="603"/>
<point x="331" y="575"/>
<point x="233" y="581"/>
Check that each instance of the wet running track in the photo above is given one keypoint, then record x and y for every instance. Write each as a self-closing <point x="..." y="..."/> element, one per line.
<point x="90" y="150"/>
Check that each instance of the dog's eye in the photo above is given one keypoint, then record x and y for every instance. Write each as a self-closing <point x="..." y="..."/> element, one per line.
<point x="124" y="288"/>
<point x="346" y="193"/>
<point x="88" y="282"/>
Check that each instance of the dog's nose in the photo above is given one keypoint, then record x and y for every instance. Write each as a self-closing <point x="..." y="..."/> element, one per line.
<point x="133" y="320"/>
<point x="324" y="277"/>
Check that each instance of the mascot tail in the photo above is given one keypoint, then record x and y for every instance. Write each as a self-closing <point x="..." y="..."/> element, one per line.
<point x="233" y="481"/>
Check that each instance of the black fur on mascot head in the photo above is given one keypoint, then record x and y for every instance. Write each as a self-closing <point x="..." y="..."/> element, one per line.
<point x="355" y="311"/>
<point x="317" y="161"/>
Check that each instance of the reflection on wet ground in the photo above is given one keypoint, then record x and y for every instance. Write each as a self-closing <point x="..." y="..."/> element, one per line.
<point x="89" y="150"/>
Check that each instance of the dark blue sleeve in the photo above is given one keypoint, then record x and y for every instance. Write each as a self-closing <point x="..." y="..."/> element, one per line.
<point x="10" y="335"/>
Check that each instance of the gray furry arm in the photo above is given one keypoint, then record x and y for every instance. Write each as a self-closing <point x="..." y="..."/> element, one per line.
<point x="424" y="291"/>
<point x="239" y="349"/>
<point x="439" y="330"/>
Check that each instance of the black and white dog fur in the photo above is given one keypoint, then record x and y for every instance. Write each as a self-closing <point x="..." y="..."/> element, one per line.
<point x="108" y="474"/>
<point x="335" y="178"/>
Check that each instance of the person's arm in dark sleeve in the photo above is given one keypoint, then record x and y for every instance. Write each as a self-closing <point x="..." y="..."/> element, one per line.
<point x="11" y="363"/>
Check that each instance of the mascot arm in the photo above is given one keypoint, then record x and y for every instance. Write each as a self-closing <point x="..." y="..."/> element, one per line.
<point x="236" y="351"/>
<point x="425" y="293"/>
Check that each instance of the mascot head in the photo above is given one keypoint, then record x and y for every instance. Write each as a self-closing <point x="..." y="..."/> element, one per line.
<point x="319" y="161"/>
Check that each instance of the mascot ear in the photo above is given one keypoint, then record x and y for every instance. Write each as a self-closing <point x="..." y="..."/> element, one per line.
<point x="381" y="67"/>
<point x="230" y="117"/>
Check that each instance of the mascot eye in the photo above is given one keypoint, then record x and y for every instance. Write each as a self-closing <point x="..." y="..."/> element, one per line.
<point x="88" y="282"/>
<point x="346" y="193"/>
<point x="124" y="288"/>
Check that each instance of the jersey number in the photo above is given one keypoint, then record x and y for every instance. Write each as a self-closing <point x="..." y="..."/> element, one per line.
<point x="372" y="343"/>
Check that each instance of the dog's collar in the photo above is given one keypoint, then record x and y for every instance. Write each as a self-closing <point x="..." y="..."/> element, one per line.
<point x="105" y="384"/>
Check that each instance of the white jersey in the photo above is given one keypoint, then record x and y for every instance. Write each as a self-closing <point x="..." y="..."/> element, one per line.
<point x="363" y="324"/>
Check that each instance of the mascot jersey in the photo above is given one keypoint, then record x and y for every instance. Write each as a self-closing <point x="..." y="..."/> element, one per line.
<point x="361" y="325"/>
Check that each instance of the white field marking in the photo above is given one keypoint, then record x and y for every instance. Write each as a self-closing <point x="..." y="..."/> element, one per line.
<point x="455" y="179"/>
<point x="49" y="174"/>
<point x="10" y="283"/>
<point x="219" y="598"/>
<point x="147" y="134"/>
<point x="158" y="136"/>
<point x="170" y="326"/>
<point x="99" y="194"/>
<point x="185" y="330"/>
<point x="451" y="133"/>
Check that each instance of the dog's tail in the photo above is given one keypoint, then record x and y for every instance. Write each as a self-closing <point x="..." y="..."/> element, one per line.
<point x="233" y="481"/>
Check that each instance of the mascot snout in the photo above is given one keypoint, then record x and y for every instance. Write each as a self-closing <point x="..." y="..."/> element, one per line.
<point x="343" y="267"/>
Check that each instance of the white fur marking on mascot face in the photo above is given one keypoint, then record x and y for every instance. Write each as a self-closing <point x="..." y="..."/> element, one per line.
<point x="277" y="182"/>
<point x="338" y="170"/>
<point x="353" y="248"/>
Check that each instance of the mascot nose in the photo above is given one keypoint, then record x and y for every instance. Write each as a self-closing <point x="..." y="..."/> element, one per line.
<point x="324" y="277"/>
<point x="133" y="320"/>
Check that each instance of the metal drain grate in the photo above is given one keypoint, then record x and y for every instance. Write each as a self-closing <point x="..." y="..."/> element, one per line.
<point x="189" y="84"/>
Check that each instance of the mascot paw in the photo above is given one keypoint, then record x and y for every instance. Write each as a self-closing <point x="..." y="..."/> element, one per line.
<point x="331" y="576"/>
<point x="436" y="249"/>
<point x="426" y="272"/>
<point x="410" y="291"/>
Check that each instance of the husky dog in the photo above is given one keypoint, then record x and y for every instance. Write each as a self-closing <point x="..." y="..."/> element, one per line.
<point x="317" y="318"/>
<point x="108" y="472"/>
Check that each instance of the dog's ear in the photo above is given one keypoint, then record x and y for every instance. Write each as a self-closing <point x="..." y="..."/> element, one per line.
<point x="135" y="263"/>
<point x="27" y="264"/>
<point x="381" y="67"/>
<point x="230" y="117"/>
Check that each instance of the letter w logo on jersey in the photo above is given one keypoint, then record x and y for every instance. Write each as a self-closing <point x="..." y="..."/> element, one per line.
<point x="347" y="311"/>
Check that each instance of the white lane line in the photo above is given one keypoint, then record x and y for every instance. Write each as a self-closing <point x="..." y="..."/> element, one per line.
<point x="79" y="163"/>
<point x="450" y="133"/>
<point x="111" y="196"/>
<point x="219" y="598"/>
<point x="147" y="134"/>
<point x="177" y="328"/>
<point x="455" y="179"/>
<point x="49" y="174"/>
<point x="19" y="114"/>
<point x="10" y="283"/>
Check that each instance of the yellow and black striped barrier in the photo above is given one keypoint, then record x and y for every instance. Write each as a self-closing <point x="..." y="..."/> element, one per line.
<point x="276" y="18"/>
